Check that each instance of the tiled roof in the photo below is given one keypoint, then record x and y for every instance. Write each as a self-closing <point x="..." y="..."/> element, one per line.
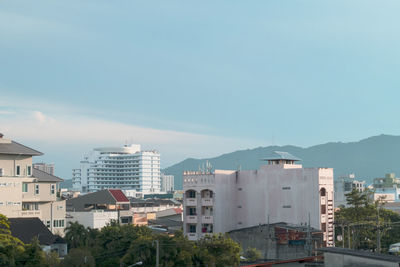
<point x="118" y="195"/>
<point x="15" y="148"/>
<point x="26" y="229"/>
<point x="44" y="176"/>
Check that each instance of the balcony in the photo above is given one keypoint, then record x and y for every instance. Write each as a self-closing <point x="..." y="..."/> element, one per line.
<point x="192" y="236"/>
<point x="207" y="219"/>
<point x="191" y="202"/>
<point x="207" y="202"/>
<point x="191" y="219"/>
<point x="30" y="213"/>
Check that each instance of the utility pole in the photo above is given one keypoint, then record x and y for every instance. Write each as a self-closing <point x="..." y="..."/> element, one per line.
<point x="349" y="234"/>
<point x="343" y="240"/>
<point x="378" y="234"/>
<point x="157" y="253"/>
<point x="308" y="239"/>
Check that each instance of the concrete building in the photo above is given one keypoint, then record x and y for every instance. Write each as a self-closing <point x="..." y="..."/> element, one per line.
<point x="344" y="185"/>
<point x="387" y="188"/>
<point x="167" y="183"/>
<point x="96" y="210"/>
<point x="124" y="167"/>
<point x="28" y="192"/>
<point x="45" y="167"/>
<point x="281" y="191"/>
<point x="279" y="240"/>
<point x="343" y="257"/>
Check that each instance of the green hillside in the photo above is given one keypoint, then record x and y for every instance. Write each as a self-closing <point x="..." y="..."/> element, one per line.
<point x="368" y="158"/>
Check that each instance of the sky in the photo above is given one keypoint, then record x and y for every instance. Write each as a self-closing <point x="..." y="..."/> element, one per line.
<point x="196" y="78"/>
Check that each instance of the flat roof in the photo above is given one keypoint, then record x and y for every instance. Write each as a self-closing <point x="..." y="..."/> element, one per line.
<point x="281" y="155"/>
<point x="360" y="253"/>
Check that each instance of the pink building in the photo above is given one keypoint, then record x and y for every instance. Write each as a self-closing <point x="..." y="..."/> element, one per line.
<point x="280" y="191"/>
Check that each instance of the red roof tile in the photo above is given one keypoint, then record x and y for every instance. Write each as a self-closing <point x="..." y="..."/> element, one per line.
<point x="118" y="195"/>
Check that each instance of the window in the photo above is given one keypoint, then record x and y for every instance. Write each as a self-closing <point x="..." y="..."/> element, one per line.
<point x="18" y="171"/>
<point x="53" y="189"/>
<point x="192" y="228"/>
<point x="323" y="209"/>
<point x="35" y="206"/>
<point x="287" y="206"/>
<point x="29" y="170"/>
<point x="36" y="189"/>
<point x="48" y="224"/>
<point x="58" y="223"/>
<point x="286" y="188"/>
<point x="24" y="187"/>
<point x="1" y="171"/>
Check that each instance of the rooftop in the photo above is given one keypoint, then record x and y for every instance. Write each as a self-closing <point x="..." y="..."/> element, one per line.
<point x="360" y="253"/>
<point x="25" y="229"/>
<point x="281" y="155"/>
<point x="44" y="176"/>
<point x="14" y="148"/>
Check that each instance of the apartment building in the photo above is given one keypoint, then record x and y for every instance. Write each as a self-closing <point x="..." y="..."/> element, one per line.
<point x="167" y="183"/>
<point x="281" y="191"/>
<point x="26" y="192"/>
<point x="46" y="167"/>
<point x="126" y="167"/>
<point x="344" y="185"/>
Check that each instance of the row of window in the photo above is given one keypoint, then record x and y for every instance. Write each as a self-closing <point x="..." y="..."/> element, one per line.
<point x="56" y="223"/>
<point x="37" y="188"/>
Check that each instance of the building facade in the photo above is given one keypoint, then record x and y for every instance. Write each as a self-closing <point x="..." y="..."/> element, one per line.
<point x="167" y="183"/>
<point x="125" y="167"/>
<point x="387" y="188"/>
<point x="344" y="185"/>
<point x="281" y="191"/>
<point x="26" y="192"/>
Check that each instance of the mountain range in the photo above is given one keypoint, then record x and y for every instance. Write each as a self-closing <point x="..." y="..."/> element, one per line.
<point x="367" y="159"/>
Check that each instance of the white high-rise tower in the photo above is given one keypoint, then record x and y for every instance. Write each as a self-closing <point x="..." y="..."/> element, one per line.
<point x="126" y="167"/>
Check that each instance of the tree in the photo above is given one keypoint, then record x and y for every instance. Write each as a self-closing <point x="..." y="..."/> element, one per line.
<point x="217" y="250"/>
<point x="252" y="254"/>
<point x="76" y="235"/>
<point x="10" y="247"/>
<point x="78" y="257"/>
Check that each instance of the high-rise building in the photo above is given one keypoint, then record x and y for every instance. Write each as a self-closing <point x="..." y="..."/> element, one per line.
<point x="224" y="200"/>
<point x="125" y="167"/>
<point x="28" y="192"/>
<point x="167" y="183"/>
<point x="45" y="167"/>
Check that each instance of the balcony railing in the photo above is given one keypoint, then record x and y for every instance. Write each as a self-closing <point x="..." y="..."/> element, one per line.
<point x="192" y="236"/>
<point x="207" y="202"/>
<point x="191" y="219"/>
<point x="207" y="219"/>
<point x="191" y="202"/>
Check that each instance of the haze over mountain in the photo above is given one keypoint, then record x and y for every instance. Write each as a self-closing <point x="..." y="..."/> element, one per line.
<point x="369" y="158"/>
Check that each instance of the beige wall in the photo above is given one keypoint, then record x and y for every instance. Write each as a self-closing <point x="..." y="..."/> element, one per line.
<point x="44" y="192"/>
<point x="9" y="162"/>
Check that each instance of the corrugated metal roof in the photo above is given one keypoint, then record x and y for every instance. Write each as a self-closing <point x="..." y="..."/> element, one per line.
<point x="44" y="176"/>
<point x="15" y="148"/>
<point x="118" y="195"/>
<point x="277" y="155"/>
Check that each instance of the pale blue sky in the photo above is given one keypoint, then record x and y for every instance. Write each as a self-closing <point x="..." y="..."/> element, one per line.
<point x="196" y="78"/>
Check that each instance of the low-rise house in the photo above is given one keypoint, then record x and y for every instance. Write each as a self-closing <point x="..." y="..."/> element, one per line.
<point x="26" y="192"/>
<point x="96" y="210"/>
<point x="26" y="229"/>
